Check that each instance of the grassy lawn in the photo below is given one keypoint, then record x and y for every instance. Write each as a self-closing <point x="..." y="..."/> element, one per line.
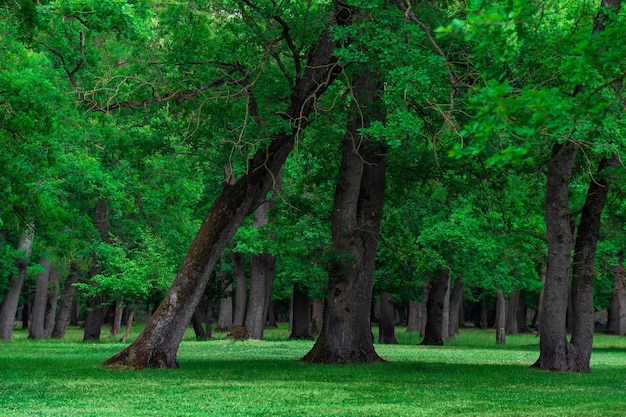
<point x="470" y="376"/>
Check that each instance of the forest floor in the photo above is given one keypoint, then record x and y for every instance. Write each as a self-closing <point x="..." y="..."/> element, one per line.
<point x="470" y="376"/>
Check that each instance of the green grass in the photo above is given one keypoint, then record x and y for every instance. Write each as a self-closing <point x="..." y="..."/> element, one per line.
<point x="470" y="376"/>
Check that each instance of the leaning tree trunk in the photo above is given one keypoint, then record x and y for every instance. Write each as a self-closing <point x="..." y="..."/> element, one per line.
<point x="433" y="332"/>
<point x="38" y="312"/>
<point x="157" y="345"/>
<point x="300" y="313"/>
<point x="583" y="268"/>
<point x="346" y="335"/>
<point x="10" y="300"/>
<point x="387" y="320"/>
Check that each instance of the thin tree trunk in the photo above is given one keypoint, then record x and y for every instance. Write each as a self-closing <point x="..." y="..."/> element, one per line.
<point x="241" y="284"/>
<point x="10" y="300"/>
<point x="157" y="345"/>
<point x="65" y="305"/>
<point x="617" y="311"/>
<point x="53" y="300"/>
<point x="129" y="324"/>
<point x="511" y="313"/>
<point x="301" y="314"/>
<point x="116" y="324"/>
<point x="521" y="313"/>
<point x="501" y="309"/>
<point x="346" y="335"/>
<point x="433" y="333"/>
<point x="38" y="312"/>
<point x="424" y="313"/>
<point x="386" y="321"/>
<point x="484" y="313"/>
<point x="456" y="308"/>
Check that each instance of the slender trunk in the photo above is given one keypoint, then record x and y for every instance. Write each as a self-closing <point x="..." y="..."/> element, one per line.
<point x="456" y="308"/>
<point x="38" y="312"/>
<point x="521" y="313"/>
<point x="433" y="333"/>
<point x="386" y="321"/>
<point x="225" y="315"/>
<point x="511" y="313"/>
<point x="424" y="312"/>
<point x="484" y="313"/>
<point x="157" y="345"/>
<point x="129" y="324"/>
<point x="10" y="300"/>
<point x="53" y="300"/>
<point x="116" y="324"/>
<point x="346" y="335"/>
<point x="300" y="313"/>
<point x="241" y="284"/>
<point x="445" y="318"/>
<point x="414" y="320"/>
<point x="74" y="311"/>
<point x="317" y="316"/>
<point x="501" y="308"/>
<point x="65" y="305"/>
<point x="617" y="310"/>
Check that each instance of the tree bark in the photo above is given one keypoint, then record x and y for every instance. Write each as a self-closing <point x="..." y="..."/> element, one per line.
<point x="317" y="316"/>
<point x="53" y="300"/>
<point x="10" y="300"/>
<point x="414" y="321"/>
<point x="386" y="321"/>
<point x="301" y="314"/>
<point x="433" y="333"/>
<point x="38" y="312"/>
<point x="424" y="305"/>
<point x="346" y="335"/>
<point x="511" y="313"/>
<point x="501" y="313"/>
<point x="60" y="322"/>
<point x="617" y="311"/>
<point x="225" y="315"/>
<point x="456" y="308"/>
<point x="241" y="285"/>
<point x="157" y="345"/>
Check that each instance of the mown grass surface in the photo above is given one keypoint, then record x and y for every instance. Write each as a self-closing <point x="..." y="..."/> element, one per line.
<point x="470" y="376"/>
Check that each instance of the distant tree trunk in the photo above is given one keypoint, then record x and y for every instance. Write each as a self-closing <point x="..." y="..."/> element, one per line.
<point x="433" y="333"/>
<point x="38" y="312"/>
<point x="617" y="311"/>
<point x="202" y="315"/>
<point x="501" y="308"/>
<point x="317" y="316"/>
<point x="10" y="300"/>
<point x="157" y="345"/>
<point x="256" y="312"/>
<point x="456" y="307"/>
<point x="74" y="311"/>
<point x="225" y="315"/>
<point x="65" y="305"/>
<point x="522" y="325"/>
<point x="386" y="321"/>
<point x="346" y="335"/>
<point x="424" y="313"/>
<point x="301" y="314"/>
<point x="53" y="300"/>
<point x="511" y="313"/>
<point x="241" y="284"/>
<point x="414" y="321"/>
<point x="25" y="315"/>
<point x="116" y="323"/>
<point x="129" y="323"/>
<point x="445" y="318"/>
<point x="484" y="313"/>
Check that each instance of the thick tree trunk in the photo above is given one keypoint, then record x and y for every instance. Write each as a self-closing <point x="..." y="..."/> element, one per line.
<point x="317" y="316"/>
<point x="617" y="311"/>
<point x="301" y="314"/>
<point x="433" y="333"/>
<point x="501" y="313"/>
<point x="96" y="313"/>
<point x="10" y="300"/>
<point x="53" y="300"/>
<point x="387" y="321"/>
<point x="38" y="312"/>
<point x="540" y="301"/>
<point x="65" y="305"/>
<point x="555" y="352"/>
<point x="414" y="321"/>
<point x="346" y="335"/>
<point x="241" y="285"/>
<point x="157" y="345"/>
<point x="256" y="312"/>
<point x="456" y="308"/>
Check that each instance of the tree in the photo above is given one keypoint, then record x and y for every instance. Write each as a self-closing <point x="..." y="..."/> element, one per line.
<point x="157" y="345"/>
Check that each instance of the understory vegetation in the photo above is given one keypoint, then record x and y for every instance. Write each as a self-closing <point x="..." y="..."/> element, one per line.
<point x="470" y="376"/>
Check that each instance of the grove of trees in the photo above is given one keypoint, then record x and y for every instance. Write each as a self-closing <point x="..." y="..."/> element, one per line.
<point x="350" y="159"/>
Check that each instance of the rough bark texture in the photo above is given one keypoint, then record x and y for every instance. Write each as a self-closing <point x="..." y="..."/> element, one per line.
<point x="157" y="345"/>
<point x="414" y="320"/>
<point x="10" y="300"/>
<point x="225" y="315"/>
<point x="433" y="332"/>
<point x="387" y="320"/>
<point x="617" y="311"/>
<point x="52" y="302"/>
<point x="65" y="304"/>
<point x="346" y="335"/>
<point x="241" y="284"/>
<point x="301" y="314"/>
<point x="38" y="311"/>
